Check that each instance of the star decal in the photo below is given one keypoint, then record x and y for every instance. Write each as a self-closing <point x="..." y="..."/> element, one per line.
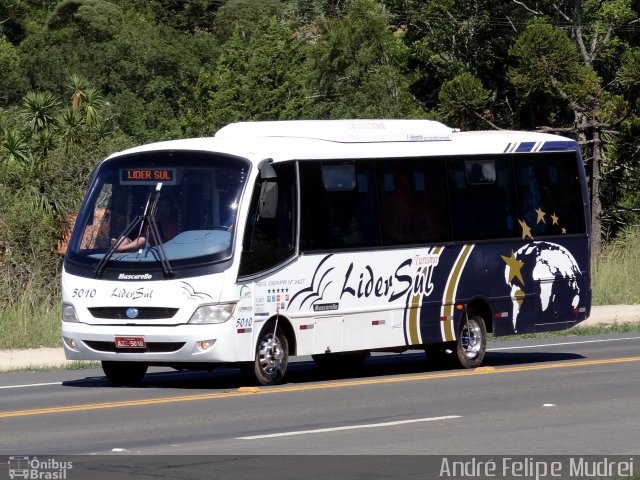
<point x="554" y="219"/>
<point x="526" y="231"/>
<point x="515" y="267"/>
<point x="541" y="215"/>
<point x="564" y="231"/>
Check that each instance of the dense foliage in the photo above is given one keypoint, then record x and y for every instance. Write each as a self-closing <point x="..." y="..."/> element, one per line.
<point x="82" y="78"/>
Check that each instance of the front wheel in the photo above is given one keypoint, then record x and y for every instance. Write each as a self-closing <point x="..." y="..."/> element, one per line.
<point x="272" y="358"/>
<point x="127" y="374"/>
<point x="472" y="341"/>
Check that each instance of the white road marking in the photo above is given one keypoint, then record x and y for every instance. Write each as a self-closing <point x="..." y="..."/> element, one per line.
<point x="563" y="343"/>
<point x="348" y="427"/>
<point x="29" y="385"/>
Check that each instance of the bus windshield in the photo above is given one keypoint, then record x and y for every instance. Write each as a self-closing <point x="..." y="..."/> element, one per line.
<point x="168" y="206"/>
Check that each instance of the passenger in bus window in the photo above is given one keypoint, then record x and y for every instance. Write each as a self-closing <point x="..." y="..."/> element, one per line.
<point x="167" y="225"/>
<point x="127" y="244"/>
<point x="167" y="219"/>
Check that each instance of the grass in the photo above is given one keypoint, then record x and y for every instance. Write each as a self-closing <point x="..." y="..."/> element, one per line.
<point x="75" y="365"/>
<point x="616" y="271"/>
<point x="22" y="326"/>
<point x="576" y="331"/>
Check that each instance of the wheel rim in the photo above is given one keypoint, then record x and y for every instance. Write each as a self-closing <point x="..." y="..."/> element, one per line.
<point x="471" y="338"/>
<point x="272" y="356"/>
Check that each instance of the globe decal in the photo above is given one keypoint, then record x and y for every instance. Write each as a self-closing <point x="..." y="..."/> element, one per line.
<point x="552" y="267"/>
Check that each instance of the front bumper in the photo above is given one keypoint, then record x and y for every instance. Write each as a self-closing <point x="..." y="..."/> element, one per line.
<point x="164" y="344"/>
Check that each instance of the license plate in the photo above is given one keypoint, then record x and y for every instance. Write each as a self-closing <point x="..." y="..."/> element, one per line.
<point x="130" y="342"/>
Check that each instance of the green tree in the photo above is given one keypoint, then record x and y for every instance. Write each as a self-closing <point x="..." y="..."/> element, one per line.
<point x="192" y="16"/>
<point x="307" y="11"/>
<point x="621" y="186"/>
<point x="94" y="19"/>
<point x="12" y="15"/>
<point x="260" y="78"/>
<point x="567" y="68"/>
<point x="275" y="73"/>
<point x="153" y="62"/>
<point x="447" y="38"/>
<point x="358" y="66"/>
<point x="12" y="80"/>
<point x="464" y="102"/>
<point x="244" y="16"/>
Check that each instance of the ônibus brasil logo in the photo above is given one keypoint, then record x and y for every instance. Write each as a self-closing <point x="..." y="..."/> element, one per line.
<point x="37" y="469"/>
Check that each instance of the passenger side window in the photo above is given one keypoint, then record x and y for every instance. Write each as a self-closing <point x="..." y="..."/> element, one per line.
<point x="413" y="201"/>
<point x="482" y="199"/>
<point x="269" y="241"/>
<point x="338" y="205"/>
<point x="550" y="199"/>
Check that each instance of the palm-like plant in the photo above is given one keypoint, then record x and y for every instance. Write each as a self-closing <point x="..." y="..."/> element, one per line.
<point x="38" y="110"/>
<point x="70" y="125"/>
<point x="93" y="103"/>
<point x="33" y="184"/>
<point x="86" y="100"/>
<point x="79" y="85"/>
<point x="45" y="141"/>
<point x="13" y="145"/>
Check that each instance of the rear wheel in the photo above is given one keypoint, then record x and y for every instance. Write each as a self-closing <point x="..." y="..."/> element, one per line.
<point x="472" y="341"/>
<point x="468" y="350"/>
<point x="272" y="359"/>
<point x="128" y="374"/>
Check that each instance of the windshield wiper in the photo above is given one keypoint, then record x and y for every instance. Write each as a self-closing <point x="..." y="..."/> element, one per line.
<point x="149" y="217"/>
<point x="114" y="248"/>
<point x="155" y="235"/>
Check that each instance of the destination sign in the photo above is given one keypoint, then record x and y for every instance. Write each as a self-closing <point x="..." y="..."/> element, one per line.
<point x="147" y="175"/>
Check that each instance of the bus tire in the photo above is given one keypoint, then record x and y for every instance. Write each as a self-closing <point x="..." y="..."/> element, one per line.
<point x="272" y="358"/>
<point x="340" y="361"/>
<point x="471" y="344"/>
<point x="124" y="374"/>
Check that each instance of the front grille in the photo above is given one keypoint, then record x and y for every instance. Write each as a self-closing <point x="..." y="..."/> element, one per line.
<point x="144" y="313"/>
<point x="152" y="347"/>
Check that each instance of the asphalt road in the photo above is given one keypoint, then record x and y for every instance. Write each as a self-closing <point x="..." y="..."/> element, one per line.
<point x="560" y="396"/>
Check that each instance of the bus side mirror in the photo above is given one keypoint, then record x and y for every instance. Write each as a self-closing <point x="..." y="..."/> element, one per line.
<point x="266" y="170"/>
<point x="268" y="202"/>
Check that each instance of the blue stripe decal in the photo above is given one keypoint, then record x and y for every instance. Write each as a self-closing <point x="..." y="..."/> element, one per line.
<point x="525" y="147"/>
<point x="559" y="145"/>
<point x="508" y="147"/>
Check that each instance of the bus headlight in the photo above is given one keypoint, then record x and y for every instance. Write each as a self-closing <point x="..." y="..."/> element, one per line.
<point x="213" y="313"/>
<point x="69" y="313"/>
